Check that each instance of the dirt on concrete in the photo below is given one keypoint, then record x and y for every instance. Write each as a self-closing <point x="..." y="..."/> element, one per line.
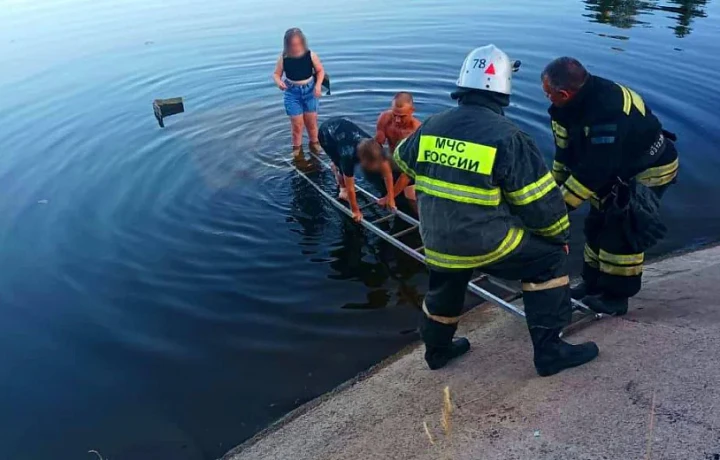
<point x="653" y="393"/>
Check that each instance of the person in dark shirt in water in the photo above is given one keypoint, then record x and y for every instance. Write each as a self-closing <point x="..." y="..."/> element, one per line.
<point x="348" y="145"/>
<point x="299" y="74"/>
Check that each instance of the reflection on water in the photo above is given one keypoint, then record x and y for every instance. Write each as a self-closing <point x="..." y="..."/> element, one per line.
<point x="618" y="13"/>
<point x="685" y="11"/>
<point x="359" y="256"/>
<point x="631" y="13"/>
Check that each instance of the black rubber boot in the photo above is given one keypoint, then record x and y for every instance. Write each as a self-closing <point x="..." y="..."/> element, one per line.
<point x="582" y="290"/>
<point x="440" y="348"/>
<point x="608" y="305"/>
<point x="553" y="355"/>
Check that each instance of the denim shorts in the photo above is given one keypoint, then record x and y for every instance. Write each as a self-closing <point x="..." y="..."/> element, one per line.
<point x="300" y="99"/>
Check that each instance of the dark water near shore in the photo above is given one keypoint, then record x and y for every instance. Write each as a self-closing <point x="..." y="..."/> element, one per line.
<point x="164" y="294"/>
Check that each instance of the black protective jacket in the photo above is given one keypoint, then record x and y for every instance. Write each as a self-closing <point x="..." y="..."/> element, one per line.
<point x="481" y="184"/>
<point x="604" y="133"/>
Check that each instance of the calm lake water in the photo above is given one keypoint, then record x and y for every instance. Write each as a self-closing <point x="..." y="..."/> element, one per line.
<point x="165" y="294"/>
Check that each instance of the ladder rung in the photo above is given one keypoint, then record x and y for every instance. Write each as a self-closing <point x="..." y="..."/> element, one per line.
<point x="382" y="219"/>
<point x="514" y="297"/>
<point x="581" y="307"/>
<point x="501" y="285"/>
<point x="404" y="232"/>
<point x="367" y="205"/>
<point x="510" y="298"/>
<point x="421" y="248"/>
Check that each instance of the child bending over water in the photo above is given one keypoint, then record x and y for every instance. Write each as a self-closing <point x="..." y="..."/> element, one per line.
<point x="299" y="74"/>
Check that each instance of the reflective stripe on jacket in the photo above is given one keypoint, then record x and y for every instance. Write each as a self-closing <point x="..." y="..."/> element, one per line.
<point x="482" y="184"/>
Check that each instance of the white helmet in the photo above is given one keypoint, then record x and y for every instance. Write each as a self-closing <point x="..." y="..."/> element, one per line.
<point x="488" y="68"/>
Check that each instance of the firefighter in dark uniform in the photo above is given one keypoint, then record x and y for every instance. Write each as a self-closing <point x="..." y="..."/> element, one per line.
<point x="608" y="141"/>
<point x="487" y="200"/>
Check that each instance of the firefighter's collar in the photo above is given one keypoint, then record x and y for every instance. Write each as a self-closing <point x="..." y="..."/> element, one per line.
<point x="493" y="101"/>
<point x="577" y="102"/>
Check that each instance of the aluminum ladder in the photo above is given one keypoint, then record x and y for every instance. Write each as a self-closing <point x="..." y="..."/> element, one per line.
<point x="505" y="302"/>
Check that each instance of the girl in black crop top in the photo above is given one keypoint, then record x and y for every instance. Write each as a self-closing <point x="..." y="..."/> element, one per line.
<point x="298" y="68"/>
<point x="299" y="74"/>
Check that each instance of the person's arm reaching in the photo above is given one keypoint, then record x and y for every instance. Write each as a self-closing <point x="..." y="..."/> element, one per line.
<point x="352" y="198"/>
<point x="380" y="135"/>
<point x="562" y="153"/>
<point x="347" y="169"/>
<point x="601" y="150"/>
<point x="389" y="199"/>
<point x="531" y="191"/>
<point x="277" y="75"/>
<point x="401" y="184"/>
<point x="406" y="150"/>
<point x="319" y="74"/>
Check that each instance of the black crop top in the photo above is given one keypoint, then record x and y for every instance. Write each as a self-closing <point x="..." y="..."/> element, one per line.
<point x="298" y="69"/>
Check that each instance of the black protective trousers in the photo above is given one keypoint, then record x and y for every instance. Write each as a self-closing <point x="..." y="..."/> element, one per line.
<point x="611" y="266"/>
<point x="534" y="262"/>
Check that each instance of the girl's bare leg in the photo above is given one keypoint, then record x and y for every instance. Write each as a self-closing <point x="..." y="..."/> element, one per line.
<point x="311" y="124"/>
<point x="296" y="125"/>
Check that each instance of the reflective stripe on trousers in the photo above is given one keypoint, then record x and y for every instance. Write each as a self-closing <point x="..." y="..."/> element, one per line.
<point x="621" y="264"/>
<point x="440" y="319"/>
<point x="551" y="284"/>
<point x="614" y="264"/>
<point x="590" y="257"/>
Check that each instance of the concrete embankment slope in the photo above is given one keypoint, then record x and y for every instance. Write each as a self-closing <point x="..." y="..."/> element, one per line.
<point x="654" y="392"/>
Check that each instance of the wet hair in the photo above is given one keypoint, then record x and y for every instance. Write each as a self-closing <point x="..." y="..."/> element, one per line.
<point x="368" y="149"/>
<point x="289" y="35"/>
<point x="565" y="73"/>
<point x="403" y="98"/>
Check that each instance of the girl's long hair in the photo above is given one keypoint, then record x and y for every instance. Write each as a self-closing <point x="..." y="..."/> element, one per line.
<point x="289" y="35"/>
